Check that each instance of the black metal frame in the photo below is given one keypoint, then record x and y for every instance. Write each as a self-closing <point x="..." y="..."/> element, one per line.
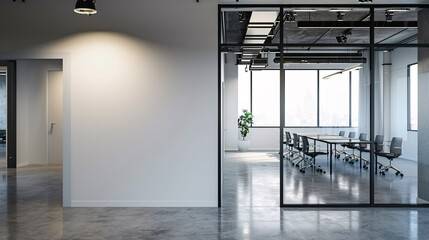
<point x="11" y="112"/>
<point x="372" y="46"/>
<point x="408" y="99"/>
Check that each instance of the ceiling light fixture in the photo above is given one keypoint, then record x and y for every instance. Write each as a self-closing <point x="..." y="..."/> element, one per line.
<point x="343" y="37"/>
<point x="340" y="16"/>
<point x="389" y="16"/>
<point x="398" y="10"/>
<point x="290" y="17"/>
<point x="86" y="7"/>
<point x="340" y="9"/>
<point x="365" y="1"/>
<point x="305" y="10"/>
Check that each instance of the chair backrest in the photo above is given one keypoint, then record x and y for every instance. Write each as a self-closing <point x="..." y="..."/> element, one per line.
<point x="362" y="137"/>
<point x="295" y="140"/>
<point x="288" y="138"/>
<point x="378" y="143"/>
<point x="341" y="133"/>
<point x="396" y="146"/>
<point x="351" y="135"/>
<point x="305" y="146"/>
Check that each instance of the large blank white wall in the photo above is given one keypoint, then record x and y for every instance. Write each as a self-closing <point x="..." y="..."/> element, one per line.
<point x="31" y="76"/>
<point x="140" y="97"/>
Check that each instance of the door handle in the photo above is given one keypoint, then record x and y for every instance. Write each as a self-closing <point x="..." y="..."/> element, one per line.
<point x="52" y="127"/>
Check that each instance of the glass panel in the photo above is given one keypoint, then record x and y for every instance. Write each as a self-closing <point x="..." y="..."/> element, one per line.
<point x="243" y="89"/>
<point x="329" y="171"/>
<point x="266" y="97"/>
<point x="401" y="173"/>
<point x="301" y="98"/>
<point x="334" y="97"/>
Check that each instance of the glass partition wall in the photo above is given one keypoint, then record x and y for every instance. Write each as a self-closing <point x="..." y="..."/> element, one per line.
<point x="318" y="72"/>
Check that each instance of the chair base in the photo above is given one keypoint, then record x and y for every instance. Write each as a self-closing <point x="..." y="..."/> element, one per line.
<point x="386" y="168"/>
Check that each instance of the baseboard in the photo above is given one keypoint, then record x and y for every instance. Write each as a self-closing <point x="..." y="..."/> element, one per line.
<point x="422" y="201"/>
<point x="23" y="164"/>
<point x="79" y="203"/>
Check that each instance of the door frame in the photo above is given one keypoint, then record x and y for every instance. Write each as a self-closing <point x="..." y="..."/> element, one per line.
<point x="11" y="112"/>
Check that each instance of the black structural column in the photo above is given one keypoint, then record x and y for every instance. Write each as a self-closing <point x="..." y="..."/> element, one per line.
<point x="371" y="107"/>
<point x="282" y="106"/>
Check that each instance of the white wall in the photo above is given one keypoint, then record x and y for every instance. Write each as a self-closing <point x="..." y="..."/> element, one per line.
<point x="31" y="124"/>
<point x="231" y="102"/>
<point x="140" y="97"/>
<point x="401" y="57"/>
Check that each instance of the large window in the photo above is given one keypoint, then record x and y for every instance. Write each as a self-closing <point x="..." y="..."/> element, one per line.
<point x="313" y="98"/>
<point x="266" y="98"/>
<point x="412" y="97"/>
<point x="301" y="98"/>
<point x="334" y="98"/>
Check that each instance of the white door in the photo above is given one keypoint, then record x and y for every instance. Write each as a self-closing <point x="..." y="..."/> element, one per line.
<point x="55" y="117"/>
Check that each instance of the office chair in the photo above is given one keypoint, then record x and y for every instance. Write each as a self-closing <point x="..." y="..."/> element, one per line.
<point x="297" y="146"/>
<point x="344" y="145"/>
<point x="395" y="152"/>
<point x="378" y="147"/>
<point x="289" y="146"/>
<point x="311" y="161"/>
<point x="351" y="157"/>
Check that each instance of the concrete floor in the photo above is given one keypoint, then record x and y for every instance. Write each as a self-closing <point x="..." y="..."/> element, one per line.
<point x="30" y="208"/>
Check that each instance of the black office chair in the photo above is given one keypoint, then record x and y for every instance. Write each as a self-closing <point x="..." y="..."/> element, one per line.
<point x="289" y="146"/>
<point x="353" y="146"/>
<point x="344" y="145"/>
<point x="311" y="161"/>
<point x="395" y="152"/>
<point x="378" y="147"/>
<point x="297" y="146"/>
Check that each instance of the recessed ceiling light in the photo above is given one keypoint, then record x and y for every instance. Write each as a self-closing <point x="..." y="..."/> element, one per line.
<point x="398" y="10"/>
<point x="305" y="10"/>
<point x="340" y="9"/>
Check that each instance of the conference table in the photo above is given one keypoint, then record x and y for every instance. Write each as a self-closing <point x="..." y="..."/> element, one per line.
<point x="333" y="140"/>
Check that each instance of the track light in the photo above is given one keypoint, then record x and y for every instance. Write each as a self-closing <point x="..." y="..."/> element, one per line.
<point x="389" y="16"/>
<point x="290" y="17"/>
<point x="343" y="37"/>
<point x="340" y="16"/>
<point x="86" y="7"/>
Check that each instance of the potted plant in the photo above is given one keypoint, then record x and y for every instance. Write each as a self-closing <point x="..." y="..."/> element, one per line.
<point x="244" y="122"/>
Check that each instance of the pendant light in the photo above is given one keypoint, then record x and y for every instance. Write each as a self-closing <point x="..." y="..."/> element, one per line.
<point x="86" y="7"/>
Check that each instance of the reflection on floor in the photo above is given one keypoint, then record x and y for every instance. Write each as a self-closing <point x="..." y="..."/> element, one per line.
<point x="3" y="162"/>
<point x="30" y="208"/>
<point x="252" y="179"/>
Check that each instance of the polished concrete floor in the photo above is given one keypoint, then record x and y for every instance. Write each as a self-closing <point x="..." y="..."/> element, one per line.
<point x="30" y="208"/>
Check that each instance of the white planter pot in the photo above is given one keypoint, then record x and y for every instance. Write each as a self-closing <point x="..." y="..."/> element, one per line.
<point x="243" y="146"/>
